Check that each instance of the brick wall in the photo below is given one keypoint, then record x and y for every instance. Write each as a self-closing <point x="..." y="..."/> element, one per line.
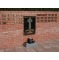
<point x="12" y="27"/>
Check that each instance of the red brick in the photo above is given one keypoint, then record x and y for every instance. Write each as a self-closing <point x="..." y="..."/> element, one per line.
<point x="11" y="34"/>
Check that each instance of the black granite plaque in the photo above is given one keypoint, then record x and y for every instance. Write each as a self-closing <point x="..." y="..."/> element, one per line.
<point x="29" y="25"/>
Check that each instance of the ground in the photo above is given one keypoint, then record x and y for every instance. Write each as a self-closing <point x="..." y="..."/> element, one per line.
<point x="47" y="46"/>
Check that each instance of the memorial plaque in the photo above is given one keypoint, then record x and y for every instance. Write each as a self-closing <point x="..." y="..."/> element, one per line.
<point x="29" y="25"/>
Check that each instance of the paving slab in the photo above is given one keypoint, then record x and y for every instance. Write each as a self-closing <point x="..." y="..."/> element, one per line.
<point x="20" y="49"/>
<point x="47" y="46"/>
<point x="10" y="50"/>
<point x="2" y="50"/>
<point x="51" y="50"/>
<point x="30" y="50"/>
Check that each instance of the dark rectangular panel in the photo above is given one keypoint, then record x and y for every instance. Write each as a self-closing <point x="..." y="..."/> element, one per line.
<point x="29" y="25"/>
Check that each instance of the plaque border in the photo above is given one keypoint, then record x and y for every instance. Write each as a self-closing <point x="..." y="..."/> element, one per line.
<point x="23" y="26"/>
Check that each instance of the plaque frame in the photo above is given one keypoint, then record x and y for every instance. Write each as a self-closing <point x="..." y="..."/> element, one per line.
<point x="26" y="30"/>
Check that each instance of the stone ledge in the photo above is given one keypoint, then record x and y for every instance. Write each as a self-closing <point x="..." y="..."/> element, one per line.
<point x="27" y="45"/>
